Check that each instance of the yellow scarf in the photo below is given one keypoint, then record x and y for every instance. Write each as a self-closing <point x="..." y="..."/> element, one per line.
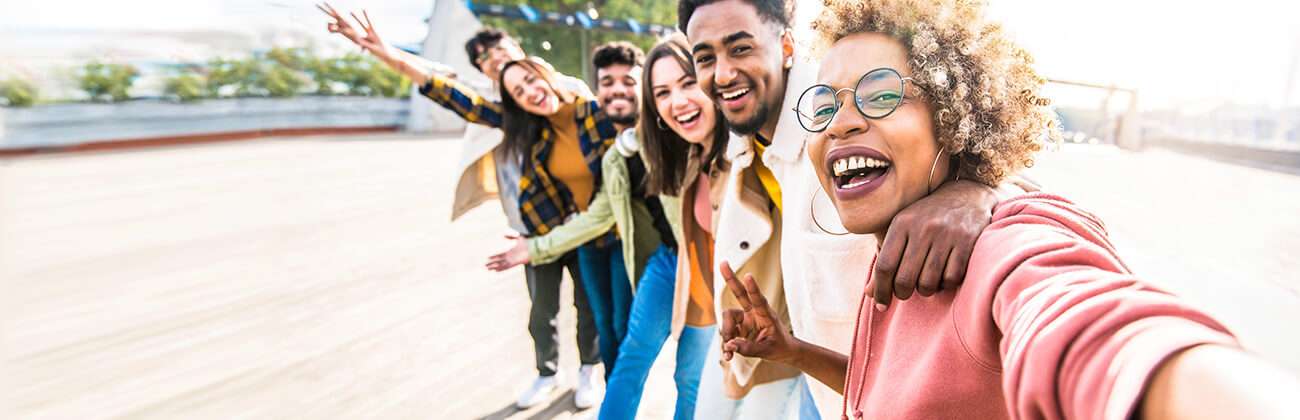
<point x="765" y="176"/>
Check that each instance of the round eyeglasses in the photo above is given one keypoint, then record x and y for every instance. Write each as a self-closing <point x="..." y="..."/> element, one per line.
<point x="878" y="93"/>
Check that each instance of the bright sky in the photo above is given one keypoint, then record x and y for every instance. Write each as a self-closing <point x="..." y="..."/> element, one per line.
<point x="1184" y="53"/>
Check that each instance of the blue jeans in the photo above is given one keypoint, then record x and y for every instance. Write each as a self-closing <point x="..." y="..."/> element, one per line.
<point x="610" y="295"/>
<point x="647" y="330"/>
<point x="807" y="407"/>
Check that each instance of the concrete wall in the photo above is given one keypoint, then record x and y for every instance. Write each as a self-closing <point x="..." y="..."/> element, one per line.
<point x="450" y="25"/>
<point x="73" y="124"/>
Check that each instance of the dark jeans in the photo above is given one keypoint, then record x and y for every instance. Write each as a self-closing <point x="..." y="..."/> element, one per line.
<point x="605" y="279"/>
<point x="544" y="290"/>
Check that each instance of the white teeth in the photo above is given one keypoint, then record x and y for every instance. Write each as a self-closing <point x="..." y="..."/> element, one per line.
<point x="855" y="184"/>
<point x="840" y="166"/>
<point x="687" y="117"/>
<point x="734" y="94"/>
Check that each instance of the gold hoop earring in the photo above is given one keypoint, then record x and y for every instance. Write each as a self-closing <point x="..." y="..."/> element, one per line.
<point x="812" y="212"/>
<point x="929" y="183"/>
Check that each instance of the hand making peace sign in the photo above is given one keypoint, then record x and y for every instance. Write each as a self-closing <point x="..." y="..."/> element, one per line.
<point x="754" y="330"/>
<point x="367" y="38"/>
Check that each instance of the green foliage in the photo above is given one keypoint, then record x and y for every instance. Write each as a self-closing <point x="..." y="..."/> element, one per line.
<point x="285" y="72"/>
<point x="17" y="93"/>
<point x="280" y="81"/>
<point x="110" y="82"/>
<point x="270" y="76"/>
<point x="355" y="74"/>
<point x="562" y="55"/>
<point x="293" y="58"/>
<point x="240" y="74"/>
<point x="186" y="87"/>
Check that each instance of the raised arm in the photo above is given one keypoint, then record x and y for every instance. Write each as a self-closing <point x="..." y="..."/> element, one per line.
<point x="439" y="83"/>
<point x="411" y="65"/>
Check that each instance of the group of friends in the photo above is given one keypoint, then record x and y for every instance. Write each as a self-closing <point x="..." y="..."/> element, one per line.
<point x="830" y="228"/>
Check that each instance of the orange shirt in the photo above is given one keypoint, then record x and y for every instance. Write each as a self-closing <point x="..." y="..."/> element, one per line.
<point x="566" y="163"/>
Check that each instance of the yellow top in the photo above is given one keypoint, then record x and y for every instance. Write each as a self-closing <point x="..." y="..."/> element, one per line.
<point x="566" y="163"/>
<point x="765" y="175"/>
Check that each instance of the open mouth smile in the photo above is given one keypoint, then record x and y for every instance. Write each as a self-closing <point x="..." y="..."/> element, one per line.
<point x="688" y="119"/>
<point x="856" y="170"/>
<point x="734" y="98"/>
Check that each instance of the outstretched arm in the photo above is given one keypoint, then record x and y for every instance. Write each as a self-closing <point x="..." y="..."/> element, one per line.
<point x="1219" y="382"/>
<point x="440" y="87"/>
<point x="580" y="229"/>
<point x="1083" y="336"/>
<point x="411" y="65"/>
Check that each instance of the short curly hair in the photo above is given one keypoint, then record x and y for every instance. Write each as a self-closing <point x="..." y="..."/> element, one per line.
<point x="984" y="92"/>
<point x="617" y="52"/>
<point x="780" y="12"/>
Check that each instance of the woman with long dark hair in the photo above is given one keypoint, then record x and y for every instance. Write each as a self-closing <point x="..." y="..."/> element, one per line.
<point x="555" y="132"/>
<point x="560" y="135"/>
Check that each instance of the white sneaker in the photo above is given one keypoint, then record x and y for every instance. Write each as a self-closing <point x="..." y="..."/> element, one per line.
<point x="586" y="395"/>
<point x="539" y="392"/>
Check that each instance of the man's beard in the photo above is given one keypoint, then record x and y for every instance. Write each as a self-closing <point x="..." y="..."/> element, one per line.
<point x="626" y="119"/>
<point x="751" y="125"/>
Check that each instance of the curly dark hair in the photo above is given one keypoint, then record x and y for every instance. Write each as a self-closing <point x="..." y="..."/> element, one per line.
<point x="616" y="52"/>
<point x="775" y="11"/>
<point x="482" y="41"/>
<point x="988" y="111"/>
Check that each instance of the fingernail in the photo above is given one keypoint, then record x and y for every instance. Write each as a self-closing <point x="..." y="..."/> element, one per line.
<point x="881" y="307"/>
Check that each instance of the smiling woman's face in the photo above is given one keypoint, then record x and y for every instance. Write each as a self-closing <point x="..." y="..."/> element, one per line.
<point x="684" y="108"/>
<point x="531" y="92"/>
<point x="873" y="168"/>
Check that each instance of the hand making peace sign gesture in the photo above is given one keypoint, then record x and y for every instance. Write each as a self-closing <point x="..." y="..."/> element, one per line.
<point x="367" y="38"/>
<point x="754" y="330"/>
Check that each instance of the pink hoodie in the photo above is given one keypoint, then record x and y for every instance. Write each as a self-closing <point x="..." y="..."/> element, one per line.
<point x="1049" y="324"/>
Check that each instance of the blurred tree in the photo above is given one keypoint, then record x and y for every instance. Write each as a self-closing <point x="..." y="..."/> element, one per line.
<point x="18" y="93"/>
<point x="280" y="81"/>
<point x="110" y="81"/>
<point x="285" y="72"/>
<point x="239" y="77"/>
<point x="327" y="73"/>
<point x="186" y="87"/>
<point x="566" y="54"/>
<point x="294" y="58"/>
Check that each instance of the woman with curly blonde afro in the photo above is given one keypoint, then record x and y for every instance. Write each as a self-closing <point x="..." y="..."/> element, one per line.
<point x="1049" y="323"/>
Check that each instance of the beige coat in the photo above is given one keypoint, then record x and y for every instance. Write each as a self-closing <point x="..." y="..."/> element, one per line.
<point x="747" y="235"/>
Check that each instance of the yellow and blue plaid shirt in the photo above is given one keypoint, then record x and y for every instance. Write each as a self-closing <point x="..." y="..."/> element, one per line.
<point x="543" y="203"/>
